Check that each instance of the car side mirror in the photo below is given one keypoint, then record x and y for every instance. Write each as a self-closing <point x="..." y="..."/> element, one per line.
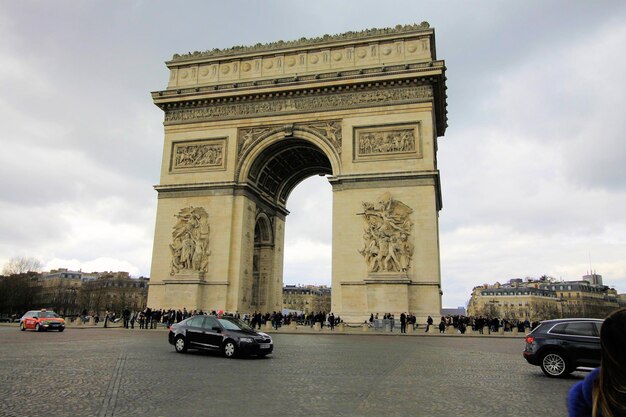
<point x="216" y="329"/>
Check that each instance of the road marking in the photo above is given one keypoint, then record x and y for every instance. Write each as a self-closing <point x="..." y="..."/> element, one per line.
<point x="110" y="398"/>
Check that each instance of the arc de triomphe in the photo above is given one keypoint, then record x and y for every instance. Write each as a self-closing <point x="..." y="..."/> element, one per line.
<point x="245" y="125"/>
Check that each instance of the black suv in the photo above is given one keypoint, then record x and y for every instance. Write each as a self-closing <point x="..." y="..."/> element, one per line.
<point x="564" y="345"/>
<point x="220" y="333"/>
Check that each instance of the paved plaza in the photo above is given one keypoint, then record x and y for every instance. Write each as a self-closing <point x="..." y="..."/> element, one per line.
<point x="118" y="372"/>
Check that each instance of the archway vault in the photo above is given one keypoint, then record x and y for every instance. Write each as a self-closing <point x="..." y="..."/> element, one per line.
<point x="282" y="165"/>
<point x="244" y="126"/>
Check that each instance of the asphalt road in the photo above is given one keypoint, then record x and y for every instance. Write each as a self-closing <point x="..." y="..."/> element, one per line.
<point x="118" y="372"/>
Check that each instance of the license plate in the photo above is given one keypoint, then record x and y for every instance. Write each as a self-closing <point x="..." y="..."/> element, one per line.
<point x="264" y="345"/>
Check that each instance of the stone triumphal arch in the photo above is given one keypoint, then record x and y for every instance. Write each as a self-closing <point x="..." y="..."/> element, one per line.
<point x="245" y="125"/>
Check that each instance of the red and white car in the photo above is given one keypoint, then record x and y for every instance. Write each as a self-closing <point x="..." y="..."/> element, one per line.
<point x="42" y="320"/>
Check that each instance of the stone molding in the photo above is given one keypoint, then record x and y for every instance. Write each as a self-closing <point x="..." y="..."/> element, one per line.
<point x="384" y="95"/>
<point x="242" y="86"/>
<point x="272" y="46"/>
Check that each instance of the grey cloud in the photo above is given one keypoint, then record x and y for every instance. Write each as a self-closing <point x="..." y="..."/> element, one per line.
<point x="534" y="148"/>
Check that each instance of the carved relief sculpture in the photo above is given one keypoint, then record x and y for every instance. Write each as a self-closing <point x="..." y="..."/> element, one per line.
<point x="190" y="241"/>
<point x="386" y="247"/>
<point x="248" y="136"/>
<point x="331" y="130"/>
<point x="198" y="155"/>
<point x="387" y="141"/>
<point x="217" y="111"/>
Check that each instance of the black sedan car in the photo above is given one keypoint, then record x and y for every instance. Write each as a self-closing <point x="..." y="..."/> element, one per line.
<point x="561" y="346"/>
<point x="229" y="335"/>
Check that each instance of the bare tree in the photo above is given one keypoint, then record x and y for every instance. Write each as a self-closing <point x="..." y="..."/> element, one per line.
<point x="21" y="265"/>
<point x="491" y="310"/>
<point x="18" y="293"/>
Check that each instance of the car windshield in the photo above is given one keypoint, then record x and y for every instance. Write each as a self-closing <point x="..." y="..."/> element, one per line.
<point x="233" y="324"/>
<point x="48" y="314"/>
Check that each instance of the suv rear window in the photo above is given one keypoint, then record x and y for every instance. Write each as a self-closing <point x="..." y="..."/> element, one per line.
<point x="574" y="329"/>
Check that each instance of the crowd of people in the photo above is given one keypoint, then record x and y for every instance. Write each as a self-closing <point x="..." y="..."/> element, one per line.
<point x="461" y="323"/>
<point x="279" y="319"/>
<point x="151" y="319"/>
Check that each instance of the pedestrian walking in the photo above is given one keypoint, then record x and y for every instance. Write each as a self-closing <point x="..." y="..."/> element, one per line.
<point x="429" y="322"/>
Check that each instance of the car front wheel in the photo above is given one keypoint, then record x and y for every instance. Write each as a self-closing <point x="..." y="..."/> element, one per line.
<point x="230" y="349"/>
<point x="555" y="365"/>
<point x="38" y="327"/>
<point x="180" y="344"/>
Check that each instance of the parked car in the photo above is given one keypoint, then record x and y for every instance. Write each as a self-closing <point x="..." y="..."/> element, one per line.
<point x="42" y="320"/>
<point x="5" y="318"/>
<point x="562" y="346"/>
<point x="219" y="333"/>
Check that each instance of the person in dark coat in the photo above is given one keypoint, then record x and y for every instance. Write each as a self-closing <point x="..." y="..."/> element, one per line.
<point x="429" y="323"/>
<point x="402" y="323"/>
<point x="442" y="325"/>
<point x="603" y="391"/>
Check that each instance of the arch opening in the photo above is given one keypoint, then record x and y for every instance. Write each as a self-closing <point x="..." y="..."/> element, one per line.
<point x="274" y="174"/>
<point x="281" y="166"/>
<point x="308" y="247"/>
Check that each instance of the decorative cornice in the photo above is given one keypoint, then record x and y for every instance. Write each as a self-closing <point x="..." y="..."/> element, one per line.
<point x="414" y="69"/>
<point x="364" y="34"/>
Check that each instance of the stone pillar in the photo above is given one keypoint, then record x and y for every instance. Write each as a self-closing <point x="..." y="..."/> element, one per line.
<point x="317" y="326"/>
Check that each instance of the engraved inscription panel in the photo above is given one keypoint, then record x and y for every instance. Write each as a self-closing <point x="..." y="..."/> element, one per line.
<point x="198" y="155"/>
<point x="385" y="142"/>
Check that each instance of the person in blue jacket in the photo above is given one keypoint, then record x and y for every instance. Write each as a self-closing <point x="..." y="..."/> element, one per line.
<point x="603" y="392"/>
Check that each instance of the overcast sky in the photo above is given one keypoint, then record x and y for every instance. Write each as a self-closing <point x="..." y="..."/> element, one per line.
<point x="533" y="164"/>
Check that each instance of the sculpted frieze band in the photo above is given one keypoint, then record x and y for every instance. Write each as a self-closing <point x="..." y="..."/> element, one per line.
<point x="190" y="241"/>
<point x="386" y="245"/>
<point x="334" y="101"/>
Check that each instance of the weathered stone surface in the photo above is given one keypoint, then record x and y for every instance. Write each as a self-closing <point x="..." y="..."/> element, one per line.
<point x="244" y="126"/>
